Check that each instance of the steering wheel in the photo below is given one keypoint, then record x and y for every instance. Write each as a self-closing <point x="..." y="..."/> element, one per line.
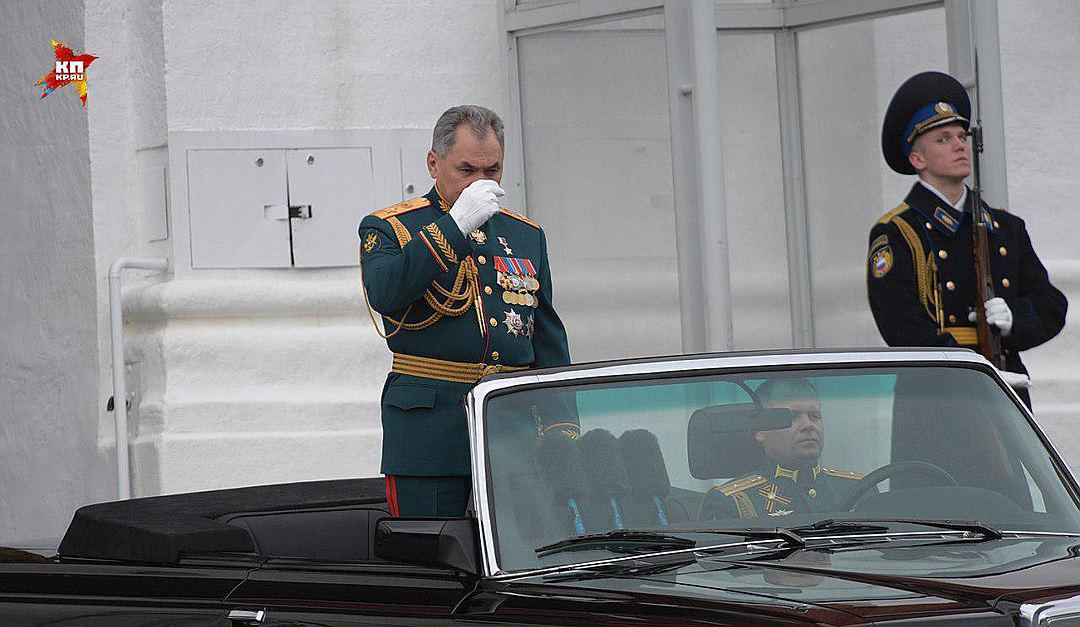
<point x="910" y="467"/>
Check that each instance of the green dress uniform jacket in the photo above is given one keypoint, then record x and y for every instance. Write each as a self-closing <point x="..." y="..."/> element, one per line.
<point x="777" y="491"/>
<point x="921" y="278"/>
<point x="455" y="307"/>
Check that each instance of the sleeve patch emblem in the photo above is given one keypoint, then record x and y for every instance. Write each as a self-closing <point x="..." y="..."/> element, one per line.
<point x="881" y="261"/>
<point x="371" y="241"/>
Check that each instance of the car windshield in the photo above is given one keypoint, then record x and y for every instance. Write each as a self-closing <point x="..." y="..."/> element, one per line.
<point x="680" y="455"/>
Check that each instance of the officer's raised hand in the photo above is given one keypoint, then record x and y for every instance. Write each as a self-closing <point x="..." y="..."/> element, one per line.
<point x="997" y="314"/>
<point x="476" y="204"/>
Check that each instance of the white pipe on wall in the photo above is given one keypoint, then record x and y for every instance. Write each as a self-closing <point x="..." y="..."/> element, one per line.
<point x="116" y="319"/>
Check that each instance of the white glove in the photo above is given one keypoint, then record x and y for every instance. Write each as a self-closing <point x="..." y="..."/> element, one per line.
<point x="1016" y="380"/>
<point x="997" y="314"/>
<point x="476" y="203"/>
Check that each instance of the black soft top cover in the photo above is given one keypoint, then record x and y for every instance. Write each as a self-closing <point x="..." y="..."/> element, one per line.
<point x="163" y="528"/>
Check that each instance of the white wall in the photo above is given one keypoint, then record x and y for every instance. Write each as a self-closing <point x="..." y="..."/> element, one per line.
<point x="49" y="393"/>
<point x="337" y="64"/>
<point x="239" y="377"/>
<point x="258" y="376"/>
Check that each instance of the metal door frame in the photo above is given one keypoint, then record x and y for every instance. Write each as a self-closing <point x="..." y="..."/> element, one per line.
<point x="697" y="169"/>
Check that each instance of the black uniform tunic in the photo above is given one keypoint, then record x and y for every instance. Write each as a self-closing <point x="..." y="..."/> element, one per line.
<point x="921" y="278"/>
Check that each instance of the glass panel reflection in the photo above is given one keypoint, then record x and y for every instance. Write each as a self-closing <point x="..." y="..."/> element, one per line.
<point x="848" y="73"/>
<point x="598" y="178"/>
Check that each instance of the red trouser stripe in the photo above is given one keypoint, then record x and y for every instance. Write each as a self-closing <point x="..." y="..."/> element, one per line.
<point x="391" y="495"/>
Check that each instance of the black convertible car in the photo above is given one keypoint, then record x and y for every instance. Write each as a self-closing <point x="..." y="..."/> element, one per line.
<point x="893" y="487"/>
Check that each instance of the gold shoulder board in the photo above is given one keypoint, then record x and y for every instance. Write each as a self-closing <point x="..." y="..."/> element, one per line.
<point x="901" y="208"/>
<point x="843" y="474"/>
<point x="402" y="207"/>
<point x="518" y="216"/>
<point x="738" y="485"/>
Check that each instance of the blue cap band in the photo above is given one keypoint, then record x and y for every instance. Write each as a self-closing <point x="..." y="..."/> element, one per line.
<point x="927" y="117"/>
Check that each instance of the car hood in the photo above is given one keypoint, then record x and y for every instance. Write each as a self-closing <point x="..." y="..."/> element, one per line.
<point x="869" y="581"/>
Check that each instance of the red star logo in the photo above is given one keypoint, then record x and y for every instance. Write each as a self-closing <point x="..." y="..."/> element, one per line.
<point x="73" y="70"/>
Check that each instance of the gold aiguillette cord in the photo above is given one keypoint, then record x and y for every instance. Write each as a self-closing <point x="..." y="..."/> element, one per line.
<point x="457" y="299"/>
<point x="473" y="278"/>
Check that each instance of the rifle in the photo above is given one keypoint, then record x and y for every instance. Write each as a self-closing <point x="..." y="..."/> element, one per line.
<point x="989" y="338"/>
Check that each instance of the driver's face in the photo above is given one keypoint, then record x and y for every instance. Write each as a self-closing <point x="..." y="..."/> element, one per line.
<point x="802" y="442"/>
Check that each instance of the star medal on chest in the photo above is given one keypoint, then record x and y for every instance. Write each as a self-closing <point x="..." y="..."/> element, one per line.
<point x="479" y="237"/>
<point x="514" y="324"/>
<point x="506" y="246"/>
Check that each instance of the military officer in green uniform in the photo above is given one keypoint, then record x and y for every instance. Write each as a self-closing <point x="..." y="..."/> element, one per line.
<point x="464" y="290"/>
<point x="792" y="480"/>
<point x="920" y="270"/>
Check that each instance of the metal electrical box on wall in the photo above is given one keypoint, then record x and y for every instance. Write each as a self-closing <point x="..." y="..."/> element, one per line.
<point x="281" y="199"/>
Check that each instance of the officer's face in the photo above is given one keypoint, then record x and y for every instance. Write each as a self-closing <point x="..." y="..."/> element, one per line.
<point x="470" y="159"/>
<point x="942" y="152"/>
<point x="803" y="441"/>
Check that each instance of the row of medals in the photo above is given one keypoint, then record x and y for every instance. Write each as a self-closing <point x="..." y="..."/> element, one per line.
<point x="518" y="288"/>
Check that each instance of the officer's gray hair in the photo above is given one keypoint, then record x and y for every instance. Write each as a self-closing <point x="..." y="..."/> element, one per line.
<point x="480" y="119"/>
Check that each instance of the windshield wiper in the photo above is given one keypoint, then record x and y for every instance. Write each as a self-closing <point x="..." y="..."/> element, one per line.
<point x="871" y="525"/>
<point x="768" y="533"/>
<point x="646" y="565"/>
<point x="619" y="540"/>
<point x="832" y="526"/>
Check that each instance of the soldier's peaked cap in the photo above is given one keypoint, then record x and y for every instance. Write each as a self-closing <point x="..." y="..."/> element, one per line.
<point x="925" y="101"/>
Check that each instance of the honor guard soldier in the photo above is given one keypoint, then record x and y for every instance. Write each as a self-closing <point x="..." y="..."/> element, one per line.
<point x="464" y="290"/>
<point x="921" y="278"/>
<point x="792" y="479"/>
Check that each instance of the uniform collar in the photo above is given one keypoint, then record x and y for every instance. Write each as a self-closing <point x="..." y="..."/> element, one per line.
<point x="779" y="472"/>
<point x="960" y="204"/>
<point x="937" y="211"/>
<point x="436" y="198"/>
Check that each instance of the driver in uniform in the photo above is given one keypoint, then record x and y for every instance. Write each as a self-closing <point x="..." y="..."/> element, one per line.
<point x="791" y="480"/>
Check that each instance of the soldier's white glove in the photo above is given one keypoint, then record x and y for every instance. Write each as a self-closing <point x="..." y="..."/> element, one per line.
<point x="477" y="202"/>
<point x="997" y="314"/>
<point x="1016" y="380"/>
